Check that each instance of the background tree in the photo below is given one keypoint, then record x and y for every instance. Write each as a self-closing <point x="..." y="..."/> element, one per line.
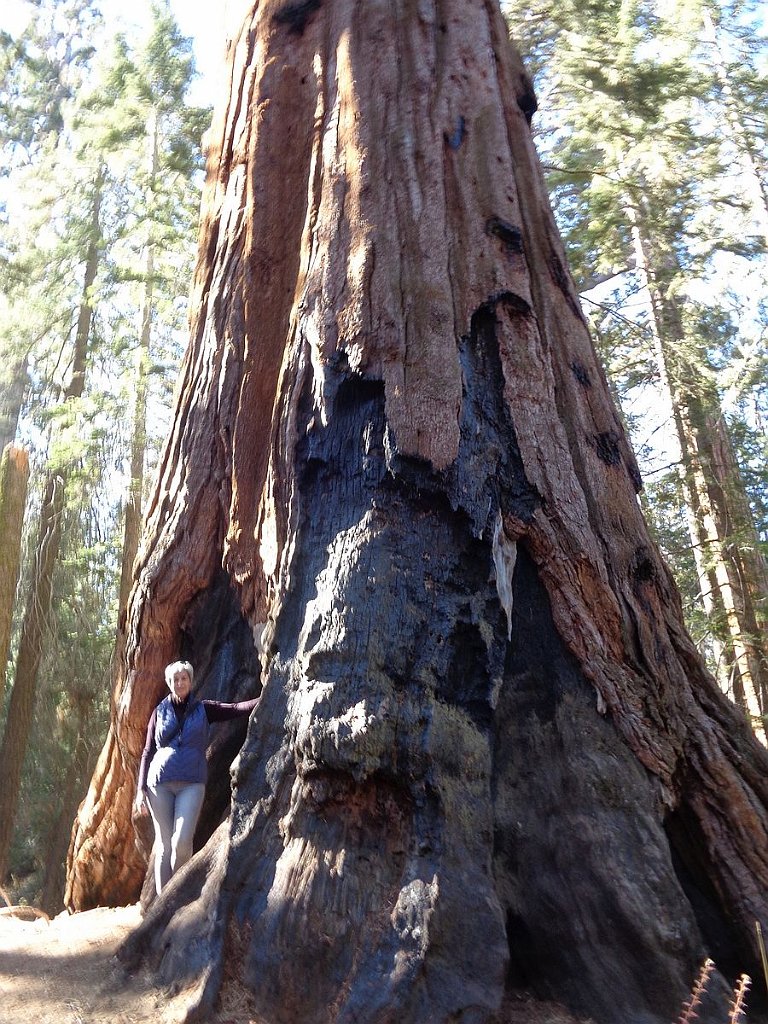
<point x="37" y="611"/>
<point x="159" y="133"/>
<point x="14" y="474"/>
<point x="129" y="103"/>
<point x="488" y="761"/>
<point x="646" y="198"/>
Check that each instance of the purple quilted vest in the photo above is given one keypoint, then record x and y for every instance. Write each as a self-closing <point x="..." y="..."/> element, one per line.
<point x="180" y="754"/>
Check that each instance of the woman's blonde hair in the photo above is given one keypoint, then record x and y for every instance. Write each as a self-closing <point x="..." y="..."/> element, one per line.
<point x="179" y="666"/>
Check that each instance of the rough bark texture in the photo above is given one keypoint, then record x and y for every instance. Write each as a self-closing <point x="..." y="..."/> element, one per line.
<point x="14" y="474"/>
<point x="21" y="706"/>
<point x="487" y="760"/>
<point x="78" y="772"/>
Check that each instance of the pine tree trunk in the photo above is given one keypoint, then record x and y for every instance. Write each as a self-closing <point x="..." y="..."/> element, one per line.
<point x="38" y="602"/>
<point x="76" y="778"/>
<point x="731" y="569"/>
<point x="744" y="565"/>
<point x="22" y="702"/>
<point x="132" y="530"/>
<point x="488" y="762"/>
<point x="14" y="474"/>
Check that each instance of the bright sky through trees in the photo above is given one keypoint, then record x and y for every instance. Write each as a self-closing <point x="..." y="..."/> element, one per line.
<point x="202" y="21"/>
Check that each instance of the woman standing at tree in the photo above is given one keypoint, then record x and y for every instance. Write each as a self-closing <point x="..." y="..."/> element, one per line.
<point x="173" y="768"/>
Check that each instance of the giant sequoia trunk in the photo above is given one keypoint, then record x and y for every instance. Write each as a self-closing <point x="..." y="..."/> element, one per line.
<point x="487" y="760"/>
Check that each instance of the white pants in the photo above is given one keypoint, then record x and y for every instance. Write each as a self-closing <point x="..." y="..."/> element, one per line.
<point x="175" y="808"/>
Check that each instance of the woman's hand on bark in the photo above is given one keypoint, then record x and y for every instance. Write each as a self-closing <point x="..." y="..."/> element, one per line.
<point x="140" y="807"/>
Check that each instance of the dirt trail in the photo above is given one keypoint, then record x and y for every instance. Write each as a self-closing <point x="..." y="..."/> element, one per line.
<point x="63" y="972"/>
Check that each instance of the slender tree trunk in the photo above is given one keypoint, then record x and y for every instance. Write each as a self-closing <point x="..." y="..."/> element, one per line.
<point x="743" y="579"/>
<point x="22" y="703"/>
<point x="488" y="763"/>
<point x="14" y="474"/>
<point x="730" y="566"/>
<point x="38" y="603"/>
<point x="74" y="783"/>
<point x="132" y="530"/>
<point x="694" y="519"/>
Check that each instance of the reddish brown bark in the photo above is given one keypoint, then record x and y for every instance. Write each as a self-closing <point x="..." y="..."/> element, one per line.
<point x="488" y="761"/>
<point x="14" y="474"/>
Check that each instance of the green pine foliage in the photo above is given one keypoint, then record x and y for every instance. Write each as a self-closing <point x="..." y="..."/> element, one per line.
<point x="40" y="72"/>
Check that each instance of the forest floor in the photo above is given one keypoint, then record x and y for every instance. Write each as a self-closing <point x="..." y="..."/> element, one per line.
<point x="64" y="972"/>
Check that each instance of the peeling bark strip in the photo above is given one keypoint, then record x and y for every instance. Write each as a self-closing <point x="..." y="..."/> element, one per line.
<point x="488" y="763"/>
